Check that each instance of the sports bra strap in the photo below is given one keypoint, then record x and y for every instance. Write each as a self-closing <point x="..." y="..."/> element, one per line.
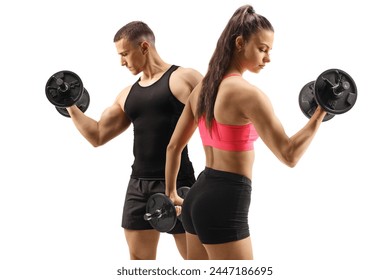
<point x="231" y="75"/>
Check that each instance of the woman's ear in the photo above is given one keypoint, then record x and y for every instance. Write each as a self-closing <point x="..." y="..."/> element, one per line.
<point x="239" y="43"/>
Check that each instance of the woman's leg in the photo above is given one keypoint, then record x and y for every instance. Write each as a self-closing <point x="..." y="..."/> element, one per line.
<point x="181" y="244"/>
<point x="195" y="249"/>
<point x="235" y="250"/>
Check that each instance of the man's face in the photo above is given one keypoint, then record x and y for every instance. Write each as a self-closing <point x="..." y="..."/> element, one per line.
<point x="131" y="55"/>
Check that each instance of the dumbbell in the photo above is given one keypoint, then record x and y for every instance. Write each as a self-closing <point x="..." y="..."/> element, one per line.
<point x="334" y="90"/>
<point x="161" y="212"/>
<point x="65" y="89"/>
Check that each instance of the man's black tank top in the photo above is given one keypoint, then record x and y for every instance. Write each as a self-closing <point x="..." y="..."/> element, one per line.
<point x="154" y="112"/>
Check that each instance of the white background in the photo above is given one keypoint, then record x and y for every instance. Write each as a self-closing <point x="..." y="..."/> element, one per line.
<point x="61" y="199"/>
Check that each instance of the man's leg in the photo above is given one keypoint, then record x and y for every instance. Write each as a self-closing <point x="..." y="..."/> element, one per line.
<point x="142" y="244"/>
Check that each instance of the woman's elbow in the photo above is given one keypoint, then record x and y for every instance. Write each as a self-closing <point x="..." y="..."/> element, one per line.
<point x="290" y="162"/>
<point x="289" y="158"/>
<point x="172" y="148"/>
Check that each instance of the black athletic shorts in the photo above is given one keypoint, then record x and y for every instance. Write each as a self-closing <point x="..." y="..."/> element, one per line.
<point x="137" y="195"/>
<point x="216" y="208"/>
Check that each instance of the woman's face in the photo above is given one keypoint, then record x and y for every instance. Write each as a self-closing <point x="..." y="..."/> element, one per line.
<point x="255" y="52"/>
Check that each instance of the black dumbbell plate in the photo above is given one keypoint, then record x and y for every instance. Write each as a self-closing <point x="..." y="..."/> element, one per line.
<point x="307" y="102"/>
<point x="168" y="218"/>
<point x="64" y="88"/>
<point x="335" y="91"/>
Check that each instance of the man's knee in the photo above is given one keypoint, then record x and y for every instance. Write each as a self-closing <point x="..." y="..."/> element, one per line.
<point x="142" y="244"/>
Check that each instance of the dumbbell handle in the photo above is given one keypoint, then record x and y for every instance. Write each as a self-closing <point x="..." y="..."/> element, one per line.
<point x="64" y="86"/>
<point x="338" y="88"/>
<point x="156" y="215"/>
<point x="61" y="84"/>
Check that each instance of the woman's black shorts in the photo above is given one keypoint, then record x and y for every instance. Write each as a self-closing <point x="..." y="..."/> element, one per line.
<point x="216" y="208"/>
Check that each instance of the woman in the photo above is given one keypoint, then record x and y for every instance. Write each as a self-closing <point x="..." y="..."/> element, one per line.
<point x="231" y="114"/>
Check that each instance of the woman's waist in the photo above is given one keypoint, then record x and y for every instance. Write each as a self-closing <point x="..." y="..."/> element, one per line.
<point x="230" y="175"/>
<point x="234" y="162"/>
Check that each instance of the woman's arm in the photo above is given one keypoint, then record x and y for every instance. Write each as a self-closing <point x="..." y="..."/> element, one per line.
<point x="184" y="130"/>
<point x="287" y="149"/>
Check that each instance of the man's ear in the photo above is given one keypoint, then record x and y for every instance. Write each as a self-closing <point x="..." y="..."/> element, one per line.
<point x="144" y="45"/>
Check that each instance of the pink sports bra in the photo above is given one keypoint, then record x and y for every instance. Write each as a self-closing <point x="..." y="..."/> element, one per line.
<point x="228" y="137"/>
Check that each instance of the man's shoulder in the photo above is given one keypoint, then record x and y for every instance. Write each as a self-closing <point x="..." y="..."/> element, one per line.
<point x="122" y="96"/>
<point x="185" y="70"/>
<point x="188" y="74"/>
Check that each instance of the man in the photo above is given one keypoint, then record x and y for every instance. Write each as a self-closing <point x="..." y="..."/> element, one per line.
<point x="153" y="104"/>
